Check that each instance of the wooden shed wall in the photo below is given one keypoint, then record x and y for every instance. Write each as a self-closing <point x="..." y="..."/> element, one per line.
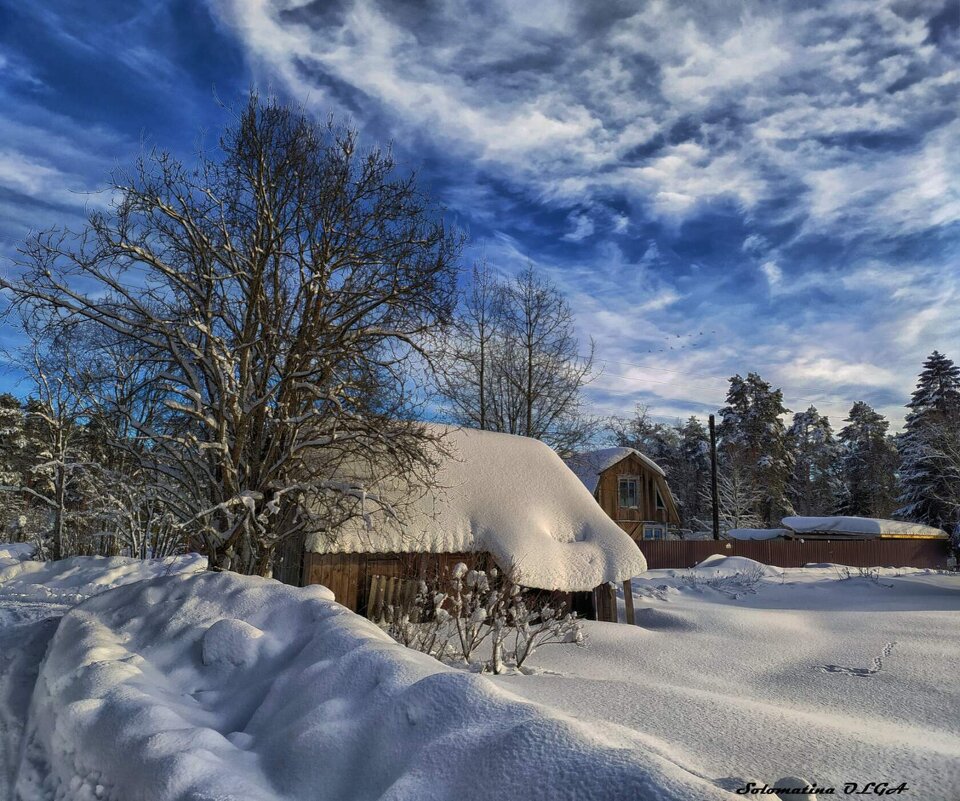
<point x="608" y="496"/>
<point x="347" y="575"/>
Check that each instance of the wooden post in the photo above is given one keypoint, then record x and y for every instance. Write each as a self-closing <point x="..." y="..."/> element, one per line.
<point x="628" y="602"/>
<point x="611" y="593"/>
<point x="713" y="478"/>
<point x="374" y="597"/>
<point x="388" y="595"/>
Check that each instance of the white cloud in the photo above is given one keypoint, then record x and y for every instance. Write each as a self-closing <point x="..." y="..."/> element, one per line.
<point x="581" y="227"/>
<point x="525" y="94"/>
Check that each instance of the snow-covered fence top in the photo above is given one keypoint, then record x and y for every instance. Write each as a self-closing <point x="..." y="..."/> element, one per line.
<point x="512" y="497"/>
<point x="860" y="527"/>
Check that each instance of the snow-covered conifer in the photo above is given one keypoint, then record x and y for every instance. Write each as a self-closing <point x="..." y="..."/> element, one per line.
<point x="929" y="481"/>
<point x="753" y="438"/>
<point x="868" y="463"/>
<point x="815" y="485"/>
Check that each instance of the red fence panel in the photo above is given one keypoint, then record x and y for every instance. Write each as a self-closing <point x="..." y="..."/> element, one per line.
<point x="793" y="553"/>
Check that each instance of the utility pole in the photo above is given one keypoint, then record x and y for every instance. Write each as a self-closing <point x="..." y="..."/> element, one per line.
<point x="713" y="478"/>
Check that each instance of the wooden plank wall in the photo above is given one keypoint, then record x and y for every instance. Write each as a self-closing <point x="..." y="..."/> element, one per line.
<point x="348" y="575"/>
<point x="792" y="553"/>
<point x="608" y="496"/>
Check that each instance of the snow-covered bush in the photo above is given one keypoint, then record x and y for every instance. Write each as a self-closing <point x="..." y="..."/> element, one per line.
<point x="468" y="609"/>
<point x="739" y="582"/>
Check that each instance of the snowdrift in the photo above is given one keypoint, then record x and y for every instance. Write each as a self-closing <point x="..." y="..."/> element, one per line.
<point x="218" y="686"/>
<point x="77" y="578"/>
<point x="512" y="496"/>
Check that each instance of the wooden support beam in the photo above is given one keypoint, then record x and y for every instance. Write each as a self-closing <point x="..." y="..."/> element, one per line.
<point x="611" y="593"/>
<point x="628" y="602"/>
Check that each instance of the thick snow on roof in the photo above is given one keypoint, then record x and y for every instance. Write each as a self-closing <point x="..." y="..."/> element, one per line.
<point x="867" y="527"/>
<point x="757" y="533"/>
<point x="589" y="465"/>
<point x="514" y="497"/>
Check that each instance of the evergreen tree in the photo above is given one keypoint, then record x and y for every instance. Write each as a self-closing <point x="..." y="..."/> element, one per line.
<point x="868" y="463"/>
<point x="658" y="441"/>
<point x="928" y="481"/>
<point x="12" y="443"/>
<point x="815" y="485"/>
<point x="689" y="476"/>
<point x="754" y="444"/>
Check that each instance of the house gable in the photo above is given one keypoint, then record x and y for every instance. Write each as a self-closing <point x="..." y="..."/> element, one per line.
<point x="631" y="494"/>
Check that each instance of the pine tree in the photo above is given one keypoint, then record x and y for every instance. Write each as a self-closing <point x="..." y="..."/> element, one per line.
<point x="755" y="441"/>
<point x="928" y="482"/>
<point x="12" y="443"/>
<point x="815" y="485"/>
<point x="690" y="475"/>
<point x="868" y="463"/>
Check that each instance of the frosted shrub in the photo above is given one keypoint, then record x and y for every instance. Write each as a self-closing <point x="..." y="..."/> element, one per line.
<point x="473" y="608"/>
<point x="735" y="584"/>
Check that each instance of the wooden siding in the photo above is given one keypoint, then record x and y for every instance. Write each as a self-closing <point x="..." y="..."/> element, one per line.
<point x="649" y="481"/>
<point x="790" y="553"/>
<point x="348" y="575"/>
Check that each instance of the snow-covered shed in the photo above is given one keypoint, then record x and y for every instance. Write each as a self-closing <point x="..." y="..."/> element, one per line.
<point x="859" y="528"/>
<point x="631" y="489"/>
<point x="498" y="497"/>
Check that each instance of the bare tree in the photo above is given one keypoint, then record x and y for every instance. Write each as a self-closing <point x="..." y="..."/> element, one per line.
<point x="59" y="480"/>
<point x="514" y="364"/>
<point x="466" y="378"/>
<point x="277" y="289"/>
<point x="737" y="496"/>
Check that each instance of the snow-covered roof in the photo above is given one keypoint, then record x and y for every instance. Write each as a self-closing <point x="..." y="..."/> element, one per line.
<point x="860" y="527"/>
<point x="513" y="497"/>
<point x="589" y="465"/>
<point x="757" y="533"/>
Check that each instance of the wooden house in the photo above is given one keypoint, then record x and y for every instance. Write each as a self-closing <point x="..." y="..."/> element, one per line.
<point x="499" y="500"/>
<point x="631" y="488"/>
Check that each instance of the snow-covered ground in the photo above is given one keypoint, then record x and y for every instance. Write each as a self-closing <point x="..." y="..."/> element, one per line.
<point x="735" y="676"/>
<point x="182" y="685"/>
<point x="218" y="686"/>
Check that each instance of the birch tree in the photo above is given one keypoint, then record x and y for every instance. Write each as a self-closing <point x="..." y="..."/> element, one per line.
<point x="278" y="287"/>
<point x="514" y="364"/>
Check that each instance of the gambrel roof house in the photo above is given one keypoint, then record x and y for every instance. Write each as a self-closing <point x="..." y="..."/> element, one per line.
<point x="631" y="488"/>
<point x="506" y="497"/>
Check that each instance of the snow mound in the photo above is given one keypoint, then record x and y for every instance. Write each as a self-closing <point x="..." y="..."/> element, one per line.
<point x="512" y="496"/>
<point x="728" y="565"/>
<point x="231" y="641"/>
<point x="17" y="551"/>
<point x="333" y="710"/>
<point x="663" y="620"/>
<point x="74" y="579"/>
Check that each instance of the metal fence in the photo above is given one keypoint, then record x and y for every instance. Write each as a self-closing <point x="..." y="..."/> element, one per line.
<point x="794" y="553"/>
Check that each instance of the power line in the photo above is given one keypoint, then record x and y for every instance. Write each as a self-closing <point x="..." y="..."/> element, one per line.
<point x="824" y="396"/>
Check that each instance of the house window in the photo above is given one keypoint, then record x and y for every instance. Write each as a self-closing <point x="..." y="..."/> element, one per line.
<point x="660" y="503"/>
<point x="628" y="493"/>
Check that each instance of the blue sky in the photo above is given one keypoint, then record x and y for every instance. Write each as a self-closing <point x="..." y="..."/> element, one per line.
<point x="717" y="187"/>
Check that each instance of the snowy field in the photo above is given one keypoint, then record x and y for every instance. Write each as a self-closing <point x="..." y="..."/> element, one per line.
<point x="176" y="684"/>
<point x="736" y="676"/>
